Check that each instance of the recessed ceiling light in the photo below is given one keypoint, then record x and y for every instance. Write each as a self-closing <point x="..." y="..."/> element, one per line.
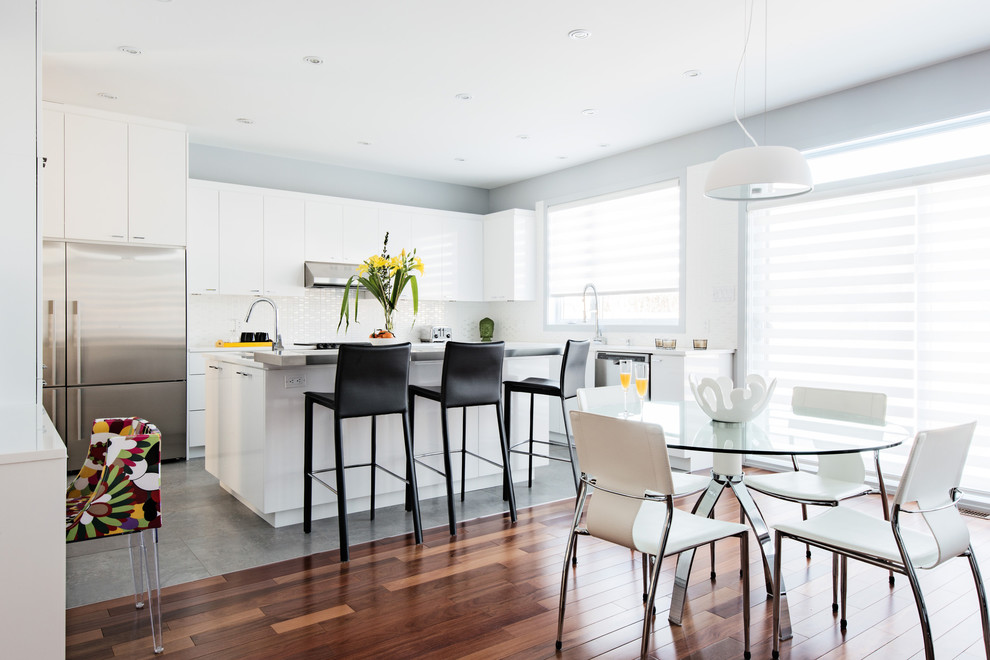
<point x="579" y="34"/>
<point x="462" y="97"/>
<point x="589" y="112"/>
<point x="603" y="145"/>
<point x="522" y="136"/>
<point x="364" y="143"/>
<point x="313" y="59"/>
<point x="107" y="95"/>
<point x="130" y="50"/>
<point x="244" y="120"/>
<point x="459" y="160"/>
<point x="561" y="157"/>
<point x="691" y="73"/>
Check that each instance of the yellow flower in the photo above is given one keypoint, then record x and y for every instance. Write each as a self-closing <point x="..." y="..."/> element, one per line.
<point x="418" y="265"/>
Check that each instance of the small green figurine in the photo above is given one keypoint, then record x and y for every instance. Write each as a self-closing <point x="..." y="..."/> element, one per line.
<point x="487" y="328"/>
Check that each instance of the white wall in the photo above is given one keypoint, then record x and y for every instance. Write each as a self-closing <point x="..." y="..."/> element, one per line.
<point x="18" y="184"/>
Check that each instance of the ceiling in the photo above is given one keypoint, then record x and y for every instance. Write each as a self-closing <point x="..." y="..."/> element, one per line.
<point x="385" y="97"/>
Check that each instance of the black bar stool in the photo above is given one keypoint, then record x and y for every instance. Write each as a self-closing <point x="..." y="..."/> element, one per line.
<point x="572" y="377"/>
<point x="472" y="376"/>
<point x="370" y="381"/>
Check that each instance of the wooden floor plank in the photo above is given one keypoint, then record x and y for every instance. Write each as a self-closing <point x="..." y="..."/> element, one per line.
<point x="492" y="592"/>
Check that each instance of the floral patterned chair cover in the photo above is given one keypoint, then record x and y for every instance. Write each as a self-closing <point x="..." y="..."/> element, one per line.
<point x="118" y="491"/>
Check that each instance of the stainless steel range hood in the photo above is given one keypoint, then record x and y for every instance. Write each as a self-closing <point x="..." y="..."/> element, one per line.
<point x="320" y="274"/>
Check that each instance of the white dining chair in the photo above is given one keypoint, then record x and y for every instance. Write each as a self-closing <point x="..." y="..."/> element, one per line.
<point x="931" y="480"/>
<point x="611" y="397"/>
<point x="839" y="476"/>
<point x="625" y="466"/>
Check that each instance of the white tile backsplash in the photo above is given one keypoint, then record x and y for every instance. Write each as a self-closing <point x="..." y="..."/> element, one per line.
<point x="314" y="316"/>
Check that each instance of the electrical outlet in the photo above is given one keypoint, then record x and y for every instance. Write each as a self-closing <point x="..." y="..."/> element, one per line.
<point x="295" y="381"/>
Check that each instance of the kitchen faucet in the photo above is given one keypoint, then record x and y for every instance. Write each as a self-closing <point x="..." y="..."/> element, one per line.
<point x="584" y="295"/>
<point x="277" y="344"/>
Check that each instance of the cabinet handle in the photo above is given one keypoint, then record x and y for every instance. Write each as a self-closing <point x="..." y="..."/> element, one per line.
<point x="138" y="238"/>
<point x="241" y="373"/>
<point x="116" y="235"/>
<point x="210" y="366"/>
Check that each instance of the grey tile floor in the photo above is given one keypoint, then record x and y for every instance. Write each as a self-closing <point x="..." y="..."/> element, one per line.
<point x="207" y="532"/>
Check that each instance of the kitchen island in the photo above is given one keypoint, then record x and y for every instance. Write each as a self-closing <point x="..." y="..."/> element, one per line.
<point x="255" y="417"/>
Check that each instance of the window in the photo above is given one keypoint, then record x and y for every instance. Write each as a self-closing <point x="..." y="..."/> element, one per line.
<point x="885" y="291"/>
<point x="628" y="245"/>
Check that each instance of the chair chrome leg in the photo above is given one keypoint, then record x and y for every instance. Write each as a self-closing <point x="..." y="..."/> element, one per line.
<point x="982" y="597"/>
<point x="704" y="506"/>
<point x="567" y="561"/>
<point x="844" y="570"/>
<point x="744" y="561"/>
<point x="778" y="594"/>
<point x="919" y="600"/>
<point x="835" y="583"/>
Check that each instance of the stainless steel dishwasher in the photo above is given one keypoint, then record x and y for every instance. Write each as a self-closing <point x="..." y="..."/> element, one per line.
<point x="607" y="366"/>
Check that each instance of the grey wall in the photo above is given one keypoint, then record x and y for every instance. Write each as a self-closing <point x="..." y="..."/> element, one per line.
<point x="254" y="169"/>
<point x="943" y="91"/>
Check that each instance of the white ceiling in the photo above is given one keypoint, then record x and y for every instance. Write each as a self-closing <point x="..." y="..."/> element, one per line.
<point x="392" y="69"/>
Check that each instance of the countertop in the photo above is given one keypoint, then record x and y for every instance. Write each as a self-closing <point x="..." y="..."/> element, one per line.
<point x="653" y="350"/>
<point x="29" y="435"/>
<point x="420" y="353"/>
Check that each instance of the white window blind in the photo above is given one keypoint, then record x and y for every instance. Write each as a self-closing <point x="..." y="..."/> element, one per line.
<point x="886" y="291"/>
<point x="628" y="245"/>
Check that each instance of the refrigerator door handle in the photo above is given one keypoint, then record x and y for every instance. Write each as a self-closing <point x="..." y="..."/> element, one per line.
<point x="75" y="346"/>
<point x="49" y="357"/>
<point x="73" y="412"/>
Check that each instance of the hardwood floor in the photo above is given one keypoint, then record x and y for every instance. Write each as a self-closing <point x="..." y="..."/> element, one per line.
<point x="492" y="593"/>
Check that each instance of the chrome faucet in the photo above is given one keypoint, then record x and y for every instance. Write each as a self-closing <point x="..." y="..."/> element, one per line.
<point x="584" y="308"/>
<point x="277" y="344"/>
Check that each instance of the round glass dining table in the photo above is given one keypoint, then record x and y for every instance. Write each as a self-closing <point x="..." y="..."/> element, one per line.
<point x="775" y="432"/>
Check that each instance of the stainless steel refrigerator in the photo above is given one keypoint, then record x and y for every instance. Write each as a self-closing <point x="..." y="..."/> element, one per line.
<point x="114" y="340"/>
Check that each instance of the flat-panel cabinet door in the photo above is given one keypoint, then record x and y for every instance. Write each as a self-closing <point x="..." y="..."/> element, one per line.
<point x="323" y="232"/>
<point x="396" y="223"/>
<point x="203" y="236"/>
<point x="241" y="243"/>
<point x="360" y="233"/>
<point x="53" y="195"/>
<point x="95" y="179"/>
<point x="284" y="237"/>
<point x="463" y="259"/>
<point x="427" y="231"/>
<point x="156" y="185"/>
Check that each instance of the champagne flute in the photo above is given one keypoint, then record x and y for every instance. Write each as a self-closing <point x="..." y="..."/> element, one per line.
<point x="642" y="384"/>
<point x="625" y="379"/>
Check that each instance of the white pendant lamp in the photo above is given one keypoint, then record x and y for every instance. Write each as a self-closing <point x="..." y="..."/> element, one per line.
<point x="757" y="172"/>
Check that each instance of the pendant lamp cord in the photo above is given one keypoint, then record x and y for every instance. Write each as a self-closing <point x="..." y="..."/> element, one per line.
<point x="735" y="87"/>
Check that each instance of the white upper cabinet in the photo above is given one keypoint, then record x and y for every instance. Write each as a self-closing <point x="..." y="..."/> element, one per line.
<point x="95" y="178"/>
<point x="284" y="235"/>
<point x="396" y="223"/>
<point x="360" y="234"/>
<point x="241" y="243"/>
<point x="463" y="257"/>
<point x="156" y="165"/>
<point x="113" y="178"/>
<point x="510" y="255"/>
<point x="203" y="233"/>
<point x="53" y="182"/>
<point x="427" y="238"/>
<point x="323" y="227"/>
